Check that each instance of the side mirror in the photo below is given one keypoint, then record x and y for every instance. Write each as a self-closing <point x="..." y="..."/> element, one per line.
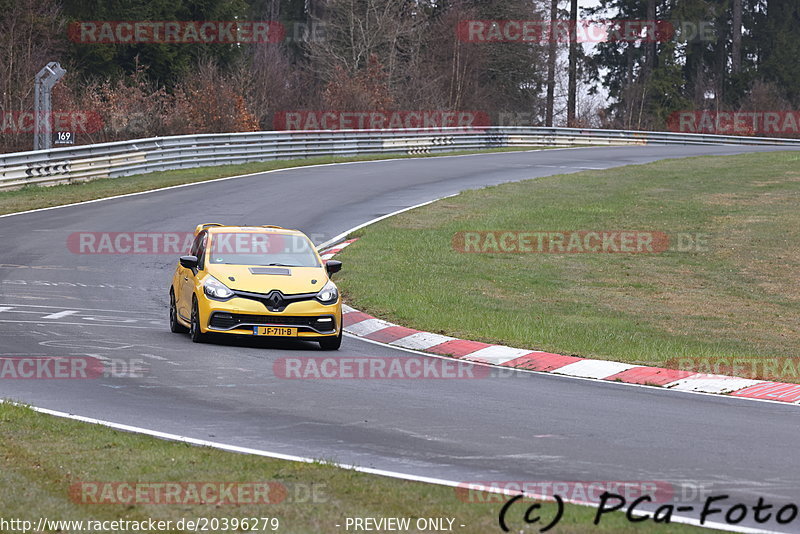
<point x="333" y="266"/>
<point x="190" y="262"/>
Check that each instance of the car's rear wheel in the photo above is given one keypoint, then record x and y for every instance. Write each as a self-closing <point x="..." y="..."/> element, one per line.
<point x="331" y="343"/>
<point x="174" y="325"/>
<point x="194" y="332"/>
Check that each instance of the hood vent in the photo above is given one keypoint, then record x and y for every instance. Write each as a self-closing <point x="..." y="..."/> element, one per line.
<point x="278" y="271"/>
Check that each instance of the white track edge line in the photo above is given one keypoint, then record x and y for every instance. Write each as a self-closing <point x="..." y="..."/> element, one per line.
<point x="249" y="175"/>
<point x="402" y="476"/>
<point x="367" y="470"/>
<point x="569" y="377"/>
<point x="343" y="235"/>
<point x="69" y="308"/>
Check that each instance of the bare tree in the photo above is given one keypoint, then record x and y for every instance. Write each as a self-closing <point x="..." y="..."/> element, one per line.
<point x="30" y="36"/>
<point x="573" y="62"/>
<point x="358" y="29"/>
<point x="552" y="51"/>
<point x="272" y="83"/>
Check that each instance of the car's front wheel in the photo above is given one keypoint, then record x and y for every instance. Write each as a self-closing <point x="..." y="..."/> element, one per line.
<point x="174" y="325"/>
<point x="194" y="332"/>
<point x="331" y="343"/>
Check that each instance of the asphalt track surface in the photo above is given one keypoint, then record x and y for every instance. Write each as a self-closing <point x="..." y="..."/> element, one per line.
<point x="512" y="427"/>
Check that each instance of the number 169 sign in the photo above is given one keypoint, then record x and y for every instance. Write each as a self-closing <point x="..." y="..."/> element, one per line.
<point x="64" y="138"/>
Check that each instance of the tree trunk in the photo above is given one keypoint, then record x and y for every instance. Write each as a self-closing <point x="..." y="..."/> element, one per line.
<point x="313" y="9"/>
<point x="736" y="39"/>
<point x="650" y="43"/>
<point x="552" y="52"/>
<point x="573" y="63"/>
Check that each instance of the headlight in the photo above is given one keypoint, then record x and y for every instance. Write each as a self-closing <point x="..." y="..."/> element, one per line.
<point x="328" y="294"/>
<point x="216" y="289"/>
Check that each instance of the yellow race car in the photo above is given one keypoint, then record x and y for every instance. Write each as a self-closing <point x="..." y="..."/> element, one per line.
<point x="255" y="281"/>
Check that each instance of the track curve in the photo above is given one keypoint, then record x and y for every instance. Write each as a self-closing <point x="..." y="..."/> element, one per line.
<point x="529" y="427"/>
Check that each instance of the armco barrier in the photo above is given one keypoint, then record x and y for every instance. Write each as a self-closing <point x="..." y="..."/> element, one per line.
<point x="110" y="160"/>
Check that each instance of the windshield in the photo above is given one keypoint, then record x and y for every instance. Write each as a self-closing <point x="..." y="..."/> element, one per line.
<point x="248" y="248"/>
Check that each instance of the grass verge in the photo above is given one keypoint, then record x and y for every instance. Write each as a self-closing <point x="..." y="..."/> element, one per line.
<point x="36" y="197"/>
<point x="731" y="305"/>
<point x="43" y="457"/>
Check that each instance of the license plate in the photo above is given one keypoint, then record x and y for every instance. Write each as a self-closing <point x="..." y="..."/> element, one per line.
<point x="274" y="331"/>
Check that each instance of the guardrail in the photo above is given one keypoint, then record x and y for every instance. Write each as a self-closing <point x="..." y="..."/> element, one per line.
<point x="124" y="158"/>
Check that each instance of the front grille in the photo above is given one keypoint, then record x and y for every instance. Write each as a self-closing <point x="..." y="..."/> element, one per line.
<point x="275" y="301"/>
<point x="228" y="321"/>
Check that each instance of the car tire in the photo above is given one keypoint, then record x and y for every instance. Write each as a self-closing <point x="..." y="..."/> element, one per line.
<point x="194" y="331"/>
<point x="174" y="325"/>
<point x="331" y="343"/>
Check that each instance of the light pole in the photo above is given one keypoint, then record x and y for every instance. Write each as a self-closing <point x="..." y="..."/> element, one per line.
<point x="46" y="79"/>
